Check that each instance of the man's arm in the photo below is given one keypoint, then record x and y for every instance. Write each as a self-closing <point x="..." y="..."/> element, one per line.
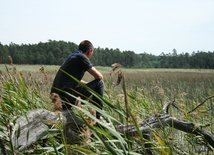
<point x="95" y="73"/>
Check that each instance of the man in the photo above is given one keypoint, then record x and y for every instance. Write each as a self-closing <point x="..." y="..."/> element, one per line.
<point x="76" y="65"/>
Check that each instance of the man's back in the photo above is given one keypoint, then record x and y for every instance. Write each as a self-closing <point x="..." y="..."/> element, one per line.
<point x="75" y="65"/>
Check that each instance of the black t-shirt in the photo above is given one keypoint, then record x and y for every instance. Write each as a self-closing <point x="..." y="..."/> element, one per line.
<point x="75" y="65"/>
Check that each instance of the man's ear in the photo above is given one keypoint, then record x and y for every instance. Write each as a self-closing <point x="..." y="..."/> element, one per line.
<point x="87" y="53"/>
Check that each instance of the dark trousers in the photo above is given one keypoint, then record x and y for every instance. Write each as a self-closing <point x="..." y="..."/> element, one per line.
<point x="96" y="85"/>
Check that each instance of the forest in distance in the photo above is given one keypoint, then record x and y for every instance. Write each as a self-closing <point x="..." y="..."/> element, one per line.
<point x="54" y="52"/>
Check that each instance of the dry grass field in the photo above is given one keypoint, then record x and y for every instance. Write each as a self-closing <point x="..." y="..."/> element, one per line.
<point x="147" y="91"/>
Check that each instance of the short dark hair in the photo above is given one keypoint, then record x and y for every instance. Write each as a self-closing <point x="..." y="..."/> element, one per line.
<point x="85" y="45"/>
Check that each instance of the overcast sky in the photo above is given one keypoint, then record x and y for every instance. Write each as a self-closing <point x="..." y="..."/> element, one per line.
<point x="151" y="26"/>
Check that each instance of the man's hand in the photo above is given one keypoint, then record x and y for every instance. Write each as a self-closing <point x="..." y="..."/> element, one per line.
<point x="84" y="82"/>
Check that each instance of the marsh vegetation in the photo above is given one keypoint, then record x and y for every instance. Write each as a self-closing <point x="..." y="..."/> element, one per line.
<point x="27" y="87"/>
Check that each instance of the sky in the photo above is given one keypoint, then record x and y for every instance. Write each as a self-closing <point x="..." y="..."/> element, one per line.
<point x="150" y="26"/>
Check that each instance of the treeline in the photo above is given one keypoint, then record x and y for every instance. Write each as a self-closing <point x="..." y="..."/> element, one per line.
<point x="54" y="52"/>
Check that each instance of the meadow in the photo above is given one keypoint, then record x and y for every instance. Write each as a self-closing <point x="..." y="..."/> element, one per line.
<point x="27" y="87"/>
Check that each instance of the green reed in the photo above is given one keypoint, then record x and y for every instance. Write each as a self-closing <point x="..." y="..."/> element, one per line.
<point x="147" y="92"/>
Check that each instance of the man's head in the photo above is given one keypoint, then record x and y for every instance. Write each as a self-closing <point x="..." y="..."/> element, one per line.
<point x="87" y="48"/>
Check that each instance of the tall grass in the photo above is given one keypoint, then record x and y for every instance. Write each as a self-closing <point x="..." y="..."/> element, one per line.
<point x="147" y="91"/>
<point x="17" y="98"/>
